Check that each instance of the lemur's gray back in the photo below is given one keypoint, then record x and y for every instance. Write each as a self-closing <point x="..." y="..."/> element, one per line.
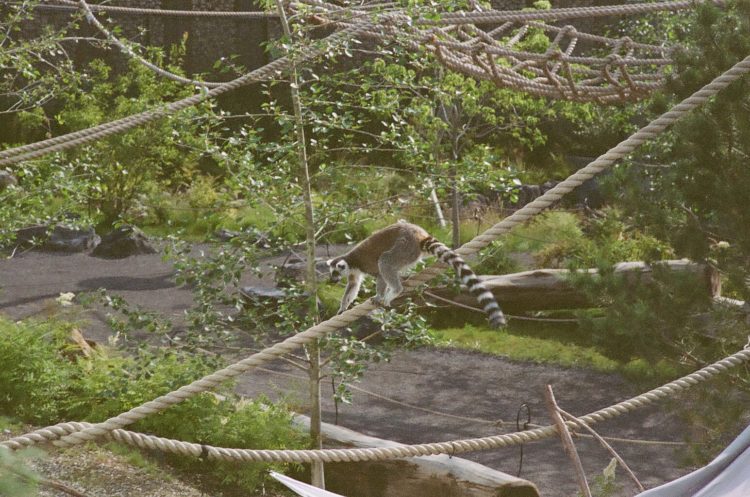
<point x="367" y="253"/>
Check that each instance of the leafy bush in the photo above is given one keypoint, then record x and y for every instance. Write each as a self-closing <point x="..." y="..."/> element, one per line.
<point x="603" y="239"/>
<point x="16" y="478"/>
<point x="653" y="321"/>
<point x="105" y="180"/>
<point x="44" y="380"/>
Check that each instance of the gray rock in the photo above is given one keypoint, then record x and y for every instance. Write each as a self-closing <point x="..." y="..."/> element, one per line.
<point x="123" y="242"/>
<point x="225" y="235"/>
<point x="60" y="238"/>
<point x="65" y="239"/>
<point x="268" y="299"/>
<point x="255" y="237"/>
<point x="527" y="194"/>
<point x="262" y="295"/>
<point x="6" y="179"/>
<point x="295" y="269"/>
<point x="32" y="235"/>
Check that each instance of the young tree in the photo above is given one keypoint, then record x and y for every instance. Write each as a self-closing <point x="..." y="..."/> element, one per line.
<point x="698" y="194"/>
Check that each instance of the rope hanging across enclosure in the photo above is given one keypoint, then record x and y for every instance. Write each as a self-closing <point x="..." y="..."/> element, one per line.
<point x="71" y="5"/>
<point x="383" y="453"/>
<point x="269" y="71"/>
<point x="82" y="434"/>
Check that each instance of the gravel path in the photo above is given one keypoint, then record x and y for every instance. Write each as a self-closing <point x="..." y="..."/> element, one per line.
<point x="94" y="471"/>
<point x="469" y="387"/>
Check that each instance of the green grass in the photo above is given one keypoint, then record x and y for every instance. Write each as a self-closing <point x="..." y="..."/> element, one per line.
<point x="523" y="347"/>
<point x="561" y="345"/>
<point x="10" y="424"/>
<point x="547" y="228"/>
<point x="138" y="459"/>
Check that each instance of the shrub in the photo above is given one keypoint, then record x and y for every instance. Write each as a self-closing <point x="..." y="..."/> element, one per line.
<point x="45" y="381"/>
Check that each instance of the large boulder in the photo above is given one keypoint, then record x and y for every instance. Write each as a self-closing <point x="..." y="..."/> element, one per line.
<point x="294" y="269"/>
<point x="123" y="242"/>
<point x="59" y="238"/>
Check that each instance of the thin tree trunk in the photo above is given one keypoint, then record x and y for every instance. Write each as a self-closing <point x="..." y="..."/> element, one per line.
<point x="313" y="351"/>
<point x="317" y="474"/>
<point x="567" y="442"/>
<point x="456" y="214"/>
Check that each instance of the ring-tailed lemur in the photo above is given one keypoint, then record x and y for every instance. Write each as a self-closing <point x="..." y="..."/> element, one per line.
<point x="389" y="250"/>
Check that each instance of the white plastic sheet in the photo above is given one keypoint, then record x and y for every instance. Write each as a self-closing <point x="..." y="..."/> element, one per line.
<point x="303" y="489"/>
<point x="726" y="476"/>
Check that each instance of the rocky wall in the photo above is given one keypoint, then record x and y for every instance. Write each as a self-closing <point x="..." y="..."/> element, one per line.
<point x="208" y="39"/>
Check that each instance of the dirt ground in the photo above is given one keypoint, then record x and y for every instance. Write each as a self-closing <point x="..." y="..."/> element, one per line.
<point x="420" y="396"/>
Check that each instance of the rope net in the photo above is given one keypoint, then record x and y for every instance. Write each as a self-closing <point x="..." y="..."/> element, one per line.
<point x="499" y="46"/>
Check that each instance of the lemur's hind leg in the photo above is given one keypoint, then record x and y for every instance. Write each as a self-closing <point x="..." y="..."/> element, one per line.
<point x="403" y="253"/>
<point x="380" y="287"/>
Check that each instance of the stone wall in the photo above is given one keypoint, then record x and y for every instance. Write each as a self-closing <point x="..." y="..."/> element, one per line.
<point x="211" y="38"/>
<point x="208" y="39"/>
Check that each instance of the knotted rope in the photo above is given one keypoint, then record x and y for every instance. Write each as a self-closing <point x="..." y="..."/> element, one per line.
<point x="379" y="454"/>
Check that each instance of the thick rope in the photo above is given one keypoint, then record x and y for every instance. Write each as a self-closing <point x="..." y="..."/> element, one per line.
<point x="501" y="16"/>
<point x="468" y="49"/>
<point x="342" y="320"/>
<point x="459" y="46"/>
<point x="379" y="454"/>
<point x="69" y="140"/>
<point x="129" y="52"/>
<point x="498" y="16"/>
<point x="71" y="5"/>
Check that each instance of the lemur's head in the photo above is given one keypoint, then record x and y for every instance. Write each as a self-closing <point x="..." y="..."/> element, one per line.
<point x="339" y="268"/>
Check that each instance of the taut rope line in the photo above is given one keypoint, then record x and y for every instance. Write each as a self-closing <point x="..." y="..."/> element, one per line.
<point x="71" y="5"/>
<point x="373" y="454"/>
<point x="342" y="320"/>
<point x="63" y="142"/>
<point x="129" y="52"/>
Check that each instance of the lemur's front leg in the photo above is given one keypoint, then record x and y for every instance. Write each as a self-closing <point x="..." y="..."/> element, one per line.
<point x="354" y="281"/>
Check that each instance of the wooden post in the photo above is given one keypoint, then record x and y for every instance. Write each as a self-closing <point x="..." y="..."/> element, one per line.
<point x="567" y="441"/>
<point x="436" y="203"/>
<point x="607" y="446"/>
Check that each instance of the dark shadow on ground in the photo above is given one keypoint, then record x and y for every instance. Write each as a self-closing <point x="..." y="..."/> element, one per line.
<point x="129" y="283"/>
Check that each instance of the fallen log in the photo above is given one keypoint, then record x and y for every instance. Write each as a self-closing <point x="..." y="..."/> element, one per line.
<point x="440" y="475"/>
<point x="548" y="289"/>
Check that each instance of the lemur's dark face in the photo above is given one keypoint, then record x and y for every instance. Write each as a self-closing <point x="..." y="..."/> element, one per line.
<point x="339" y="269"/>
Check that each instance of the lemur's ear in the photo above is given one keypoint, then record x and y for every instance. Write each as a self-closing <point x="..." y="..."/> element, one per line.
<point x="329" y="262"/>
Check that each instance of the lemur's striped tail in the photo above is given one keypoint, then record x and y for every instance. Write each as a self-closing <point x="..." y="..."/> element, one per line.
<point x="468" y="278"/>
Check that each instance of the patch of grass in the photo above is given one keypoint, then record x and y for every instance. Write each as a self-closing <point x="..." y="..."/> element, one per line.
<point x="138" y="459"/>
<point x="546" y="229"/>
<point x="523" y="347"/>
<point x="560" y="344"/>
<point x="10" y="424"/>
